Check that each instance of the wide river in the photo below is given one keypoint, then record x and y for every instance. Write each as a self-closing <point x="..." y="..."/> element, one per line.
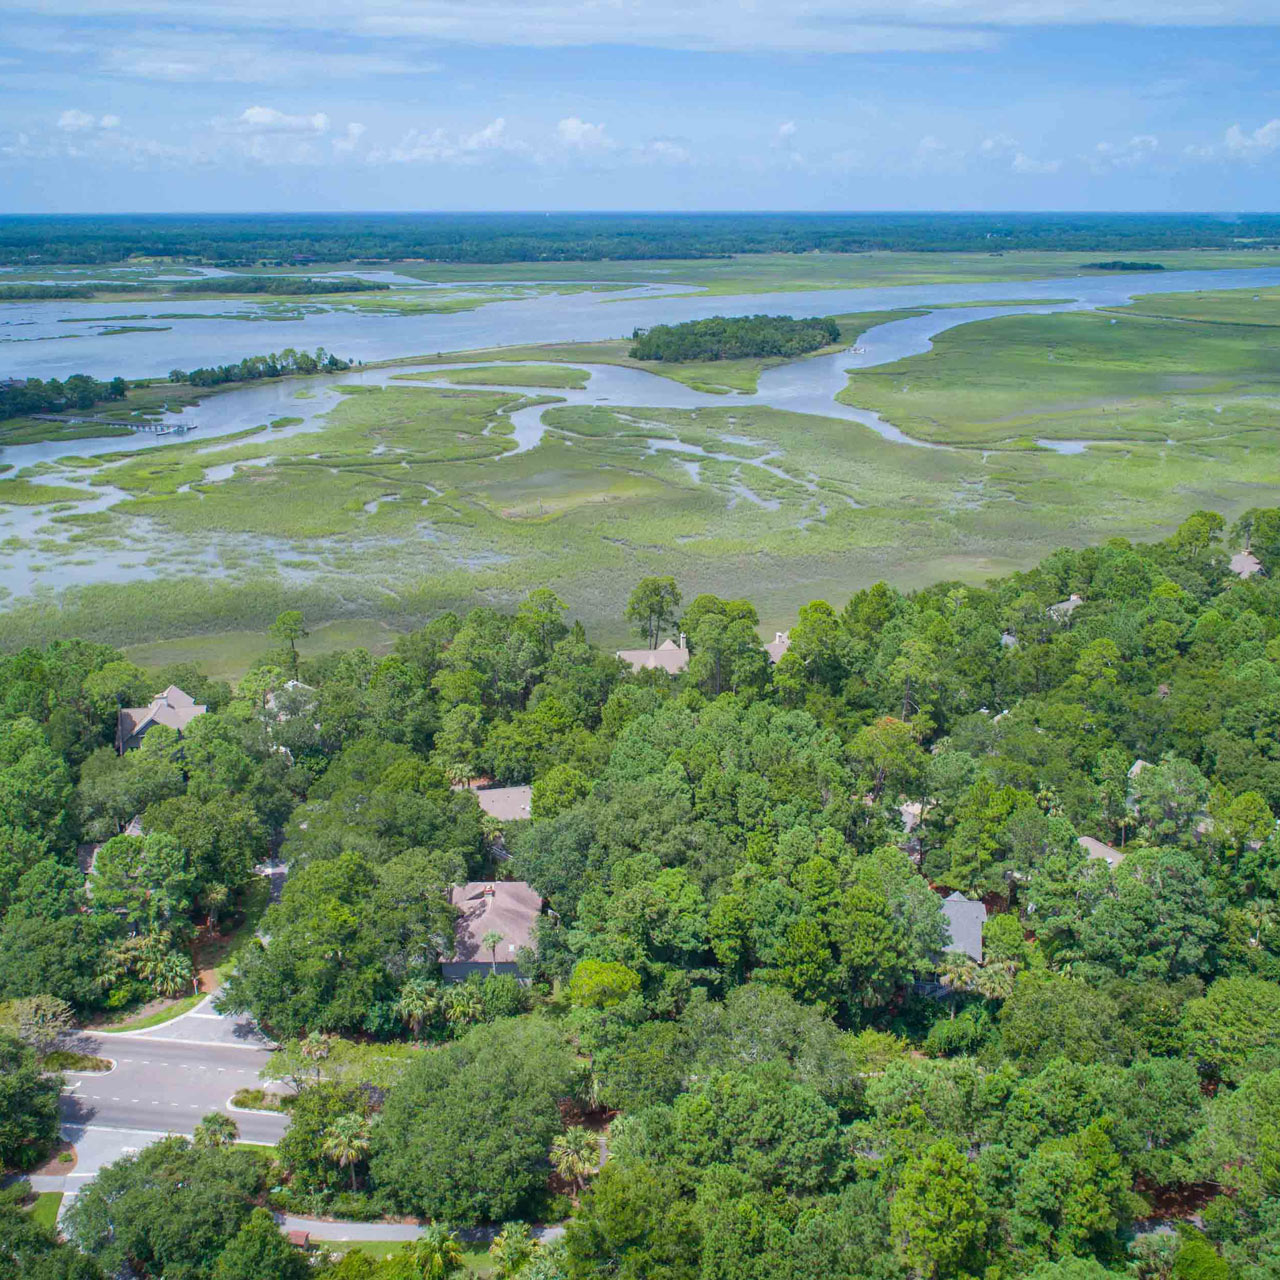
<point x="52" y="339"/>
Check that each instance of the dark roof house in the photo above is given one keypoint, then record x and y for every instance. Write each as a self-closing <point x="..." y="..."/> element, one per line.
<point x="965" y="918"/>
<point x="507" y="907"/>
<point x="173" y="708"/>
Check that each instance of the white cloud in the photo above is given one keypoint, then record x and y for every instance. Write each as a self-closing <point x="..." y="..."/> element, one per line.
<point x="265" y="120"/>
<point x="786" y="130"/>
<point x="203" y="57"/>
<point x="77" y="121"/>
<point x="665" y="151"/>
<point x="999" y="146"/>
<point x="579" y="135"/>
<point x="1123" y="155"/>
<point x="1023" y="163"/>
<point x="781" y="26"/>
<point x="421" y="147"/>
<point x="349" y="140"/>
<point x="1251" y="146"/>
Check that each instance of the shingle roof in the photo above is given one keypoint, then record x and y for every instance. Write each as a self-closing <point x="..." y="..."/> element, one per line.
<point x="508" y="907"/>
<point x="1244" y="564"/>
<point x="172" y="708"/>
<point x="507" y="804"/>
<point x="668" y="656"/>
<point x="781" y="643"/>
<point x="1096" y="849"/>
<point x="965" y="918"/>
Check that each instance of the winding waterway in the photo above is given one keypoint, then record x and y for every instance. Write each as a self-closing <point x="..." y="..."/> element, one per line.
<point x="802" y="386"/>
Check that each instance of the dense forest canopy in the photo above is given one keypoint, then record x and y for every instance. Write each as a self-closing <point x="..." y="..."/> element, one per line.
<point x="744" y="965"/>
<point x="248" y="239"/>
<point x="733" y="338"/>
<point x="20" y="396"/>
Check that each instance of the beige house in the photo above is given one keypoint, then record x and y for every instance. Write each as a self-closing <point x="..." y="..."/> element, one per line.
<point x="509" y="908"/>
<point x="506" y="804"/>
<point x="173" y="708"/>
<point x="1244" y="564"/>
<point x="778" y="646"/>
<point x="669" y="656"/>
<point x="1103" y="852"/>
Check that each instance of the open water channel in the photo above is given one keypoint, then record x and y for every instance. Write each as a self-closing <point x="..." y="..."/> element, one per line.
<point x="33" y="342"/>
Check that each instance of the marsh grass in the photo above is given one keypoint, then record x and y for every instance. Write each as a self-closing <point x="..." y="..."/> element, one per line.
<point x="409" y="500"/>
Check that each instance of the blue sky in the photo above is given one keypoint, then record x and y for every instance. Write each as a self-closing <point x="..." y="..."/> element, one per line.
<point x="121" y="105"/>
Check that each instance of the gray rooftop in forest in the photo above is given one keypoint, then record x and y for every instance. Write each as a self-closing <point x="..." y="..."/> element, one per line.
<point x="965" y="918"/>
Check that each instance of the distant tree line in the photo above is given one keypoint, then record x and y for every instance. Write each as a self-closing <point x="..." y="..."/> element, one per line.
<point x="286" y="363"/>
<point x="288" y="286"/>
<point x="275" y="286"/>
<point x="288" y="239"/>
<point x="1122" y="264"/>
<point x="41" y="292"/>
<point x="19" y="397"/>
<point x="733" y="338"/>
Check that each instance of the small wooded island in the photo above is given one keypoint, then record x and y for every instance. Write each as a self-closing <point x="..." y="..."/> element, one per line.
<point x="733" y="338"/>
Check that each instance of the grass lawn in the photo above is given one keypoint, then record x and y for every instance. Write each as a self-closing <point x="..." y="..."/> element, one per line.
<point x="45" y="1210"/>
<point x="67" y="1060"/>
<point x="156" y="1018"/>
<point x="475" y="1258"/>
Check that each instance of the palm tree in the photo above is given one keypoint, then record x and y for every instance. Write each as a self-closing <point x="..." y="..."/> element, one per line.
<point x="419" y="1000"/>
<point x="490" y="943"/>
<point x="216" y="1130"/>
<point x="316" y="1047"/>
<point x="463" y="1005"/>
<point x="511" y="1250"/>
<point x="172" y="974"/>
<point x="434" y="1255"/>
<point x="575" y="1154"/>
<point x="346" y="1142"/>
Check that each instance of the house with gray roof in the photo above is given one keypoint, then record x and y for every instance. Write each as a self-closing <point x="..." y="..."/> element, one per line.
<point x="669" y="656"/>
<point x="506" y="804"/>
<point x="1244" y="564"/>
<point x="509" y="908"/>
<point x="965" y="918"/>
<point x="1062" y="611"/>
<point x="780" y="643"/>
<point x="173" y="708"/>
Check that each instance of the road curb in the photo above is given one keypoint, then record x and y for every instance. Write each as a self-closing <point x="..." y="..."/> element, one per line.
<point x="254" y="1111"/>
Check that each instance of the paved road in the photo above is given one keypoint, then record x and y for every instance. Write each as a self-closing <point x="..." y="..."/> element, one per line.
<point x="166" y="1086"/>
<point x="165" y="1080"/>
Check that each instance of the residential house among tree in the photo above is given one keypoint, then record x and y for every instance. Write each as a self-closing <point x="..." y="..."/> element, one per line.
<point x="505" y="910"/>
<point x="505" y="804"/>
<point x="669" y="656"/>
<point x="1112" y="856"/>
<point x="173" y="708"/>
<point x="965" y="918"/>
<point x="778" y="646"/>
